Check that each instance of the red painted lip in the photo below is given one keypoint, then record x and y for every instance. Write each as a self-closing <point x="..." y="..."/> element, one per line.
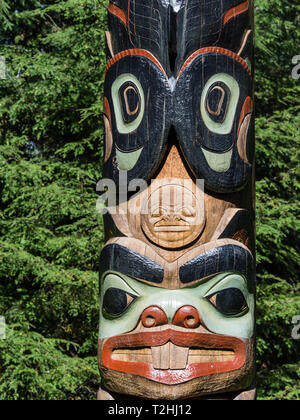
<point x="182" y="339"/>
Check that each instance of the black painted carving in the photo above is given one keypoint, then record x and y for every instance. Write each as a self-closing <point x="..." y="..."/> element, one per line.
<point x="115" y="301"/>
<point x="177" y="27"/>
<point x="117" y="258"/>
<point x="229" y="301"/>
<point x="178" y="104"/>
<point x="151" y="133"/>
<point x="193" y="132"/>
<point x="222" y="259"/>
<point x="241" y="221"/>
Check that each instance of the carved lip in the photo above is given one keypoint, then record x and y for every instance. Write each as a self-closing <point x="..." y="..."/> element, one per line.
<point x="180" y="339"/>
<point x="172" y="226"/>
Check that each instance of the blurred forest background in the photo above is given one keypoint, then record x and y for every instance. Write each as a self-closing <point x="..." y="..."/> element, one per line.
<point x="51" y="136"/>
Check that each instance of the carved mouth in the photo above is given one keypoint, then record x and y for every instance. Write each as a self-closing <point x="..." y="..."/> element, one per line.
<point x="173" y="357"/>
<point x="171" y="226"/>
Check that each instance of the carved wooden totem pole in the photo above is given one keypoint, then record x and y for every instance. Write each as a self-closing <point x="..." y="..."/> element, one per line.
<point x="177" y="281"/>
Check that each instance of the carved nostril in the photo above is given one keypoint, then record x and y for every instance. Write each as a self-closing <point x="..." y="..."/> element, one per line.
<point x="153" y="317"/>
<point x="187" y="317"/>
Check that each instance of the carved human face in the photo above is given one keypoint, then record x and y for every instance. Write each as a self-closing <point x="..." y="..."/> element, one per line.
<point x="173" y="214"/>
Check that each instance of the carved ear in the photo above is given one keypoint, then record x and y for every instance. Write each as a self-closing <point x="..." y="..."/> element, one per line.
<point x="223" y="26"/>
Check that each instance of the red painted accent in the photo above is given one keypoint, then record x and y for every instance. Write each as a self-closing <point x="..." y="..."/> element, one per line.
<point x="135" y="51"/>
<point x="119" y="13"/>
<point x="187" y="317"/>
<point x="218" y="50"/>
<point x="182" y="339"/>
<point x="235" y="11"/>
<point x="247" y="109"/>
<point x="153" y="317"/>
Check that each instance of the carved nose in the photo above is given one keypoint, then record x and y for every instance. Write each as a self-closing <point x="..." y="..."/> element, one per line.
<point x="187" y="317"/>
<point x="153" y="317"/>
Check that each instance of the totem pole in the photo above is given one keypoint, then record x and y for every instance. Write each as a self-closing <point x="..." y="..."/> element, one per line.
<point x="177" y="274"/>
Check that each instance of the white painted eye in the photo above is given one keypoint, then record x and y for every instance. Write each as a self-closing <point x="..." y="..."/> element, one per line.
<point x="219" y="103"/>
<point x="129" y="103"/>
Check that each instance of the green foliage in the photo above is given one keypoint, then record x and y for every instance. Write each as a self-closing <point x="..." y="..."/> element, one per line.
<point x="277" y="42"/>
<point x="278" y="217"/>
<point x="34" y="367"/>
<point x="50" y="161"/>
<point x="51" y="136"/>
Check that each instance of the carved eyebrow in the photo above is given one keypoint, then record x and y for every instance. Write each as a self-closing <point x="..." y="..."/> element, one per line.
<point x="226" y="258"/>
<point x="227" y="278"/>
<point x="118" y="258"/>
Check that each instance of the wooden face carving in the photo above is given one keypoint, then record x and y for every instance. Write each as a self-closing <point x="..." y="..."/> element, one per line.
<point x="177" y="274"/>
<point x="173" y="214"/>
<point x="213" y="112"/>
<point x="186" y="324"/>
<point x="189" y="336"/>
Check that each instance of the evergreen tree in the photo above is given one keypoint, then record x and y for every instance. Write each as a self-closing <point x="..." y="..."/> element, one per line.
<point x="50" y="161"/>
<point x="278" y="218"/>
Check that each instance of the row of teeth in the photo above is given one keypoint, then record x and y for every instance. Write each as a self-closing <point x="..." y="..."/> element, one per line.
<point x="171" y="356"/>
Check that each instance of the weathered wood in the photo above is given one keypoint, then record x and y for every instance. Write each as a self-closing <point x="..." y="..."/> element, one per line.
<point x="177" y="273"/>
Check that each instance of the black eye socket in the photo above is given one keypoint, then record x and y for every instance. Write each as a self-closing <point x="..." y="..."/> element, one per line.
<point x="229" y="301"/>
<point x="116" y="301"/>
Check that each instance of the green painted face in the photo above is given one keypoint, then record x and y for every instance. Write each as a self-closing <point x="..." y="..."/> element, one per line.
<point x="223" y="301"/>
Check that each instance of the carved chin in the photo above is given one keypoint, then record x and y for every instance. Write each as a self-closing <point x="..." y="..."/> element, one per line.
<point x="173" y="357"/>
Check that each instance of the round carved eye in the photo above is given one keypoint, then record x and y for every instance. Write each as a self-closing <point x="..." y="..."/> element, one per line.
<point x="116" y="301"/>
<point x="129" y="103"/>
<point x="130" y="100"/>
<point x="189" y="211"/>
<point x="229" y="302"/>
<point x="157" y="212"/>
<point x="217" y="100"/>
<point x="219" y="103"/>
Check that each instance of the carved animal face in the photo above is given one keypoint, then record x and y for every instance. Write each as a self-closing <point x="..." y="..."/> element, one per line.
<point x="211" y="114"/>
<point x="193" y="336"/>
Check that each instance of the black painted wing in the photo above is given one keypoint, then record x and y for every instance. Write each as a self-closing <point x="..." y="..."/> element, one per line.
<point x="172" y="30"/>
